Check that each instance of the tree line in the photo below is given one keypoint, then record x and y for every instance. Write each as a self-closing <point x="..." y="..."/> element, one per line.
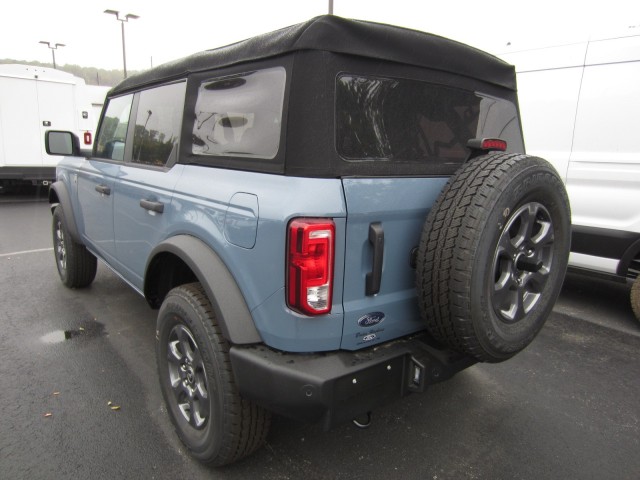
<point x="91" y="75"/>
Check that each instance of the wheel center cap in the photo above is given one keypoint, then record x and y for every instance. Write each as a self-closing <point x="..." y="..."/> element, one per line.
<point x="191" y="375"/>
<point x="517" y="265"/>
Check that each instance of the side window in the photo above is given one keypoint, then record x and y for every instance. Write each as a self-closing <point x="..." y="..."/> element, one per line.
<point x="113" y="129"/>
<point x="240" y="115"/>
<point x="158" y="121"/>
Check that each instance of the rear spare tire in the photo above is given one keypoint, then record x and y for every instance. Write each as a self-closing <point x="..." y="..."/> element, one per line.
<point x="493" y="255"/>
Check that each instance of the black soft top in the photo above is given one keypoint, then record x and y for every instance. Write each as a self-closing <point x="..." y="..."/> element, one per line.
<point x="339" y="35"/>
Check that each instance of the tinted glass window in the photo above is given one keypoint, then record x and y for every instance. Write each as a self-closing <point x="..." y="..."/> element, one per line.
<point x="240" y="115"/>
<point x="158" y="122"/>
<point x="113" y="129"/>
<point x="412" y="121"/>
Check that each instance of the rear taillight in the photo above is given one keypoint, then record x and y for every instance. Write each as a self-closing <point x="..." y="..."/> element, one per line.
<point x="87" y="138"/>
<point x="310" y="265"/>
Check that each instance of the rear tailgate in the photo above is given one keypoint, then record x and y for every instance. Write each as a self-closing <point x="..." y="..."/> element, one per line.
<point x="394" y="209"/>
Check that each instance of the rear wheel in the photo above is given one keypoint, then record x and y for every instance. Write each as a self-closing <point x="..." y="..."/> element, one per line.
<point x="211" y="419"/>
<point x="76" y="265"/>
<point x="493" y="255"/>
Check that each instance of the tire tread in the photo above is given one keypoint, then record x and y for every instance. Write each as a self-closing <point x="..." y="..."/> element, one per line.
<point x="635" y="298"/>
<point x="82" y="265"/>
<point x="246" y="425"/>
<point x="449" y="242"/>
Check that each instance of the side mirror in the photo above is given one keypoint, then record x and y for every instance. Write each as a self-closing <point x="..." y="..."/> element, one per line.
<point x="61" y="143"/>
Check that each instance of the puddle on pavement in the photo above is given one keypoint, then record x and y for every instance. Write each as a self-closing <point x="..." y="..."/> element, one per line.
<point x="90" y="329"/>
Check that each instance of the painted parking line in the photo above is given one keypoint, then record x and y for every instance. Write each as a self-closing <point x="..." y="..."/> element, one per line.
<point x="38" y="250"/>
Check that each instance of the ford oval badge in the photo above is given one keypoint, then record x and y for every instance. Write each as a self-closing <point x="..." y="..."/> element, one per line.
<point x="371" y="319"/>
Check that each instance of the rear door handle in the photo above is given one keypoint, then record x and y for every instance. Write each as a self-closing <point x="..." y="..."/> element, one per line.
<point x="152" y="206"/>
<point x="376" y="239"/>
<point x="103" y="189"/>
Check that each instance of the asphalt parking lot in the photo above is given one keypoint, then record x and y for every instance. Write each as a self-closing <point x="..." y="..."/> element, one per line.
<point x="566" y="407"/>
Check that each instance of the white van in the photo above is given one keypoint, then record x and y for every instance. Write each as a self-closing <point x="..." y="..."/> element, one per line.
<point x="32" y="101"/>
<point x="97" y="95"/>
<point x="580" y="108"/>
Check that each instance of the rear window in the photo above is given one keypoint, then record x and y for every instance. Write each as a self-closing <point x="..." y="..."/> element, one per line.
<point x="400" y="120"/>
<point x="240" y="115"/>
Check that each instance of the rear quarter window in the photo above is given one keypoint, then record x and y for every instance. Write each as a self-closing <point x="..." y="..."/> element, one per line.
<point x="240" y="115"/>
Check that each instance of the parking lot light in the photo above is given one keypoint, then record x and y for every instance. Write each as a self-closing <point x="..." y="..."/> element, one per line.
<point x="122" y="22"/>
<point x="53" y="49"/>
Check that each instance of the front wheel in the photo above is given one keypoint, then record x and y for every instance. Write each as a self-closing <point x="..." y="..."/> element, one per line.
<point x="76" y="265"/>
<point x="212" y="420"/>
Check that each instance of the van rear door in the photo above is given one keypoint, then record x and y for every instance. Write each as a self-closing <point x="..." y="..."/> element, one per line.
<point x="57" y="107"/>
<point x="19" y="120"/>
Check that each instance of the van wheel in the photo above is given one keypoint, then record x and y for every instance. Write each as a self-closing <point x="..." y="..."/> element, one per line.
<point x="493" y="255"/>
<point x="212" y="420"/>
<point x="76" y="265"/>
<point x="635" y="298"/>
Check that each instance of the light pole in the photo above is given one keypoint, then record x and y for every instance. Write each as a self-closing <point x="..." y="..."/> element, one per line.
<point x="122" y="20"/>
<point x="53" y="49"/>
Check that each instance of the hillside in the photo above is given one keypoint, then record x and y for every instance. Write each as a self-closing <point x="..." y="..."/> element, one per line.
<point x="91" y="75"/>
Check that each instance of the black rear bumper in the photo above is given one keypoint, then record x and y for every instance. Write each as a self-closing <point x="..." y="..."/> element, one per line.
<point x="338" y="386"/>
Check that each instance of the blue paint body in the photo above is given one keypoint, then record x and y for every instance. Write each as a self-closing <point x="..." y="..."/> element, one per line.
<point x="198" y="176"/>
<point x="247" y="229"/>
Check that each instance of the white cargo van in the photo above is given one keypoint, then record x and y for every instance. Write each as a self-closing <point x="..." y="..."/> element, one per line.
<point x="96" y="95"/>
<point x="580" y="107"/>
<point x="32" y="101"/>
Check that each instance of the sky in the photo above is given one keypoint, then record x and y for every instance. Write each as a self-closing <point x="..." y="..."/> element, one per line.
<point x="169" y="30"/>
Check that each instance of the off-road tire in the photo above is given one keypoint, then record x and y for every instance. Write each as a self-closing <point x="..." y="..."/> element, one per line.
<point x="193" y="356"/>
<point x="493" y="255"/>
<point x="635" y="298"/>
<point x="76" y="265"/>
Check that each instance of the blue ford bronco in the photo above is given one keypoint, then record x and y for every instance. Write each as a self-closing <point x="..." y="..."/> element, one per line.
<point x="328" y="217"/>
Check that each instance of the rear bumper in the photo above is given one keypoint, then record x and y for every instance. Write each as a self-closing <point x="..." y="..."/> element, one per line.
<point x="337" y="386"/>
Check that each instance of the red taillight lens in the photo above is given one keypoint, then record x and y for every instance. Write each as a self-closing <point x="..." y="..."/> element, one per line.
<point x="310" y="265"/>
<point x="87" y="138"/>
